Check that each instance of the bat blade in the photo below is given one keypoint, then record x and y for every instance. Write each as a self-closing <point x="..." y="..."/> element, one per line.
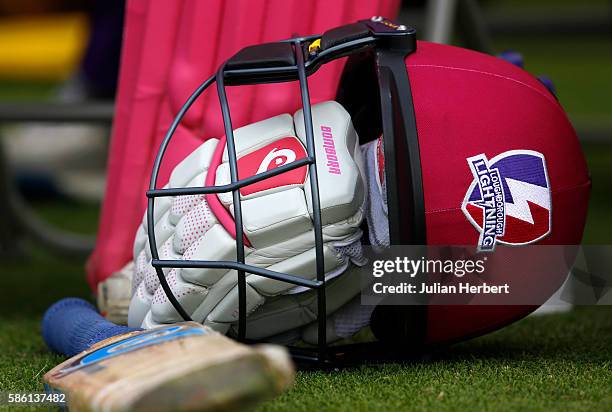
<point x="177" y="367"/>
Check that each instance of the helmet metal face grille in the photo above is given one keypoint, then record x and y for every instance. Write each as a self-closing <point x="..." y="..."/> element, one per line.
<point x="295" y="59"/>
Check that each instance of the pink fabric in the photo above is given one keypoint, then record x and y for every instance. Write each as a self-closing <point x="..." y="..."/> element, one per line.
<point x="169" y="48"/>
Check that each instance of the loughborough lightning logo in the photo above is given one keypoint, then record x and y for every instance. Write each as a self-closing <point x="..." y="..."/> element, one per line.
<point x="509" y="200"/>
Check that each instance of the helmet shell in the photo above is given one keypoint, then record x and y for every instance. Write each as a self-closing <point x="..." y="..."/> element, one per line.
<point x="467" y="104"/>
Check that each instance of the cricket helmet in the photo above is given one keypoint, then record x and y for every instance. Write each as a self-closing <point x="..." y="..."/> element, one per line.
<point x="444" y="117"/>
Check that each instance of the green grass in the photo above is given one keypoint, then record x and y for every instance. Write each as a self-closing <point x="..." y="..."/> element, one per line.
<point x="584" y="96"/>
<point x="599" y="221"/>
<point x="546" y="363"/>
<point x="547" y="7"/>
<point x="29" y="284"/>
<point x="83" y="216"/>
<point x="553" y="362"/>
<point x="22" y="91"/>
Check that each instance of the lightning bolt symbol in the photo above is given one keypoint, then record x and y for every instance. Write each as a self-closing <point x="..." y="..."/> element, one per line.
<point x="523" y="192"/>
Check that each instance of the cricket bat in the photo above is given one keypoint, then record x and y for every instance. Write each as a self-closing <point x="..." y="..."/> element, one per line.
<point x="176" y="367"/>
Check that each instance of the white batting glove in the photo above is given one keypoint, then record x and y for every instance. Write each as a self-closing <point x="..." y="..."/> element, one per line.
<point x="278" y="226"/>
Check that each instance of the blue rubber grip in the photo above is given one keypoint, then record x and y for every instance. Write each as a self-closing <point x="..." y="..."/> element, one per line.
<point x="72" y="325"/>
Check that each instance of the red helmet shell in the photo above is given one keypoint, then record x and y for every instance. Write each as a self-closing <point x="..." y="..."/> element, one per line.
<point x="470" y="104"/>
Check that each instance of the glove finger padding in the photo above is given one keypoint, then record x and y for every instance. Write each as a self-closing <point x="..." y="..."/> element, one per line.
<point x="288" y="311"/>
<point x="277" y="221"/>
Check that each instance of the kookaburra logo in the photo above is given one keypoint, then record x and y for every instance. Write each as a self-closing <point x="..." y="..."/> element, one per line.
<point x="275" y="158"/>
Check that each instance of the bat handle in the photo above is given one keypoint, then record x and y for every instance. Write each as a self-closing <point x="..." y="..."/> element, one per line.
<point x="72" y="325"/>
